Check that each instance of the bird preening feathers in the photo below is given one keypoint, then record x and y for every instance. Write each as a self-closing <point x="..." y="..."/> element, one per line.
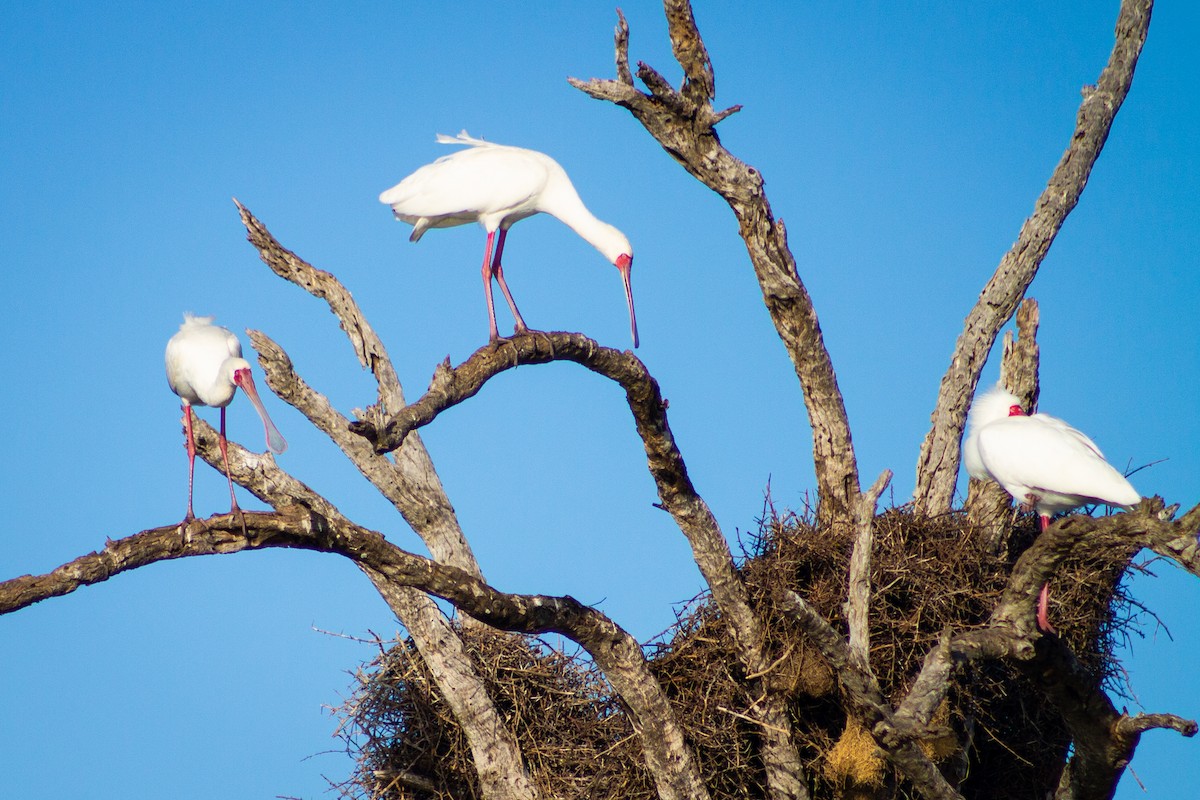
<point x="205" y="368"/>
<point x="497" y="186"/>
<point x="1040" y="460"/>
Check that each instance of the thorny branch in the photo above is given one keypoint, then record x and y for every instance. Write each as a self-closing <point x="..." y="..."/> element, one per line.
<point x="937" y="465"/>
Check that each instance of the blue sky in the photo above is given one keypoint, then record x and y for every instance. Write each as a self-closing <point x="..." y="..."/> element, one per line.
<point x="902" y="146"/>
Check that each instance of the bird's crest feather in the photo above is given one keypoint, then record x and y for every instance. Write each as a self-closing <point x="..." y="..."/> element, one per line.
<point x="463" y="138"/>
<point x="193" y="319"/>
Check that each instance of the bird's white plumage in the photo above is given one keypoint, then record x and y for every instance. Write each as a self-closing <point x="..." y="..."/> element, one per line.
<point x="200" y="362"/>
<point x="498" y="185"/>
<point x="205" y="367"/>
<point x="491" y="184"/>
<point x="1039" y="459"/>
<point x="203" y="364"/>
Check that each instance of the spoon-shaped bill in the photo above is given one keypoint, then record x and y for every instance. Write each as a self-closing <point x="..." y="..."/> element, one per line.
<point x="275" y="439"/>
<point x="625" y="264"/>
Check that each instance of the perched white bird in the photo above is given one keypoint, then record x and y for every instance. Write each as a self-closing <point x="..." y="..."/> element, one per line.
<point x="496" y="186"/>
<point x="205" y="367"/>
<point x="1040" y="460"/>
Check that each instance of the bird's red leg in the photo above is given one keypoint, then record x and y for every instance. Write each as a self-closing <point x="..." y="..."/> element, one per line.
<point x="229" y="476"/>
<point x="1043" y="619"/>
<point x="493" y="333"/>
<point x="191" y="451"/>
<point x="498" y="271"/>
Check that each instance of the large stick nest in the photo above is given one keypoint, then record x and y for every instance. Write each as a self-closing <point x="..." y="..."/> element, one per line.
<point x="995" y="737"/>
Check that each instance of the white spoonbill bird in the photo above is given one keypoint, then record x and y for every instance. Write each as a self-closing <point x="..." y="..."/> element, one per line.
<point x="1040" y="460"/>
<point x="205" y="367"/>
<point x="496" y="186"/>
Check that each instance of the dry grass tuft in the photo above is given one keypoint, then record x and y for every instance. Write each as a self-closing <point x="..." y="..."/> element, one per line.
<point x="855" y="762"/>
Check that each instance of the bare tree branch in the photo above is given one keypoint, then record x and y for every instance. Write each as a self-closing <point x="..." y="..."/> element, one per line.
<point x="411" y="483"/>
<point x="868" y="703"/>
<point x="1126" y="733"/>
<point x="452" y="385"/>
<point x="307" y="521"/>
<point x="1102" y="744"/>
<point x="1104" y="739"/>
<point x="988" y="506"/>
<point x="617" y="653"/>
<point x="682" y="123"/>
<point x="413" y="487"/>
<point x="858" y="595"/>
<point x="495" y="753"/>
<point x="937" y="466"/>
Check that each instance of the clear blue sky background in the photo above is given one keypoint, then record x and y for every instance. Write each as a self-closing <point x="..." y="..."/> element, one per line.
<point x="903" y="145"/>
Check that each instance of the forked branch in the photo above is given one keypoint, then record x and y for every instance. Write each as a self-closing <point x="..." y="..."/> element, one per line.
<point x="937" y="465"/>
<point x="453" y="385"/>
<point x="683" y="124"/>
<point x="412" y="485"/>
<point x="305" y="520"/>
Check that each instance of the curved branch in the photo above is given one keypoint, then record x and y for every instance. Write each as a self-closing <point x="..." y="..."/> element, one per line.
<point x="413" y="487"/>
<point x="937" y="466"/>
<point x="300" y="525"/>
<point x="411" y="483"/>
<point x="453" y="385"/>
<point x="683" y="124"/>
<point x="1103" y="743"/>
<point x="423" y="505"/>
<point x="1104" y="739"/>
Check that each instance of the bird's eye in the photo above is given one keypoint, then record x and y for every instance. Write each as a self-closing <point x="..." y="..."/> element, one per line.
<point x="1016" y="411"/>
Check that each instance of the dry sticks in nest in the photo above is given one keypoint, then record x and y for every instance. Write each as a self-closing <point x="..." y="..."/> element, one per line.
<point x="992" y="734"/>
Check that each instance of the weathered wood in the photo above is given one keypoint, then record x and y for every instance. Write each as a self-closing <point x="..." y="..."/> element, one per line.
<point x="677" y="495"/>
<point x="683" y="124"/>
<point x="937" y="465"/>
<point x="412" y="485"/>
<point x="306" y="520"/>
<point x="988" y="507"/>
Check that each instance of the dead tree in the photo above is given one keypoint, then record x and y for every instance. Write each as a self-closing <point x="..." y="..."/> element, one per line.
<point x="831" y="662"/>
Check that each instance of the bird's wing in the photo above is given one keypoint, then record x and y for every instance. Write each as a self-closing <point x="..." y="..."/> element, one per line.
<point x="480" y="181"/>
<point x="1033" y="454"/>
<point x="194" y="357"/>
<point x="971" y="459"/>
<point x="223" y="337"/>
<point x="1068" y="431"/>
